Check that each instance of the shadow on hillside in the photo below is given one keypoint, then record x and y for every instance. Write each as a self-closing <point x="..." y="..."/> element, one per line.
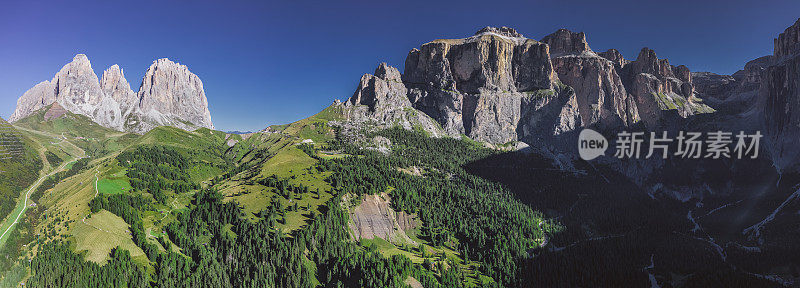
<point x="614" y="228"/>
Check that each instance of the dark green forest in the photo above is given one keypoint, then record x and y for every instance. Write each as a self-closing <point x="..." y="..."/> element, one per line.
<point x="220" y="246"/>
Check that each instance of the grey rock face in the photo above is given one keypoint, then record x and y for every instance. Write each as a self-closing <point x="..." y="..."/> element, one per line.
<point x="172" y="96"/>
<point x="602" y="99"/>
<point x="116" y="86"/>
<point x="504" y="31"/>
<point x="737" y="92"/>
<point x="497" y="86"/>
<point x="780" y="91"/>
<point x="615" y="57"/>
<point x="382" y="100"/>
<point x="36" y="98"/>
<point x="564" y="42"/>
<point x="750" y="77"/>
<point x="788" y="43"/>
<point x="77" y="85"/>
<point x="384" y="90"/>
<point x="661" y="89"/>
<point x="374" y="217"/>
<point x="476" y="85"/>
<point x="76" y="88"/>
<point x="717" y="86"/>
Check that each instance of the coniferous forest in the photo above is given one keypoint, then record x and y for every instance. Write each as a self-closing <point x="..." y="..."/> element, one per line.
<point x="217" y="245"/>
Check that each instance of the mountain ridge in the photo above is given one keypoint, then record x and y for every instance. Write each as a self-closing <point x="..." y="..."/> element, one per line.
<point x="497" y="86"/>
<point x="169" y="94"/>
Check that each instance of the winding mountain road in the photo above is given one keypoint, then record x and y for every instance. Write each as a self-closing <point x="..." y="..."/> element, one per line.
<point x="22" y="204"/>
<point x="25" y="201"/>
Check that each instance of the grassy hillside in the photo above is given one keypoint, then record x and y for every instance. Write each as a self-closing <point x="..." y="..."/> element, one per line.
<point x="275" y="153"/>
<point x="81" y="131"/>
<point x="63" y="212"/>
<point x="20" y="164"/>
<point x="272" y="202"/>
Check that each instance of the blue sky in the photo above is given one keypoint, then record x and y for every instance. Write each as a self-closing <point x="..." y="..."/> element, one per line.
<point x="274" y="62"/>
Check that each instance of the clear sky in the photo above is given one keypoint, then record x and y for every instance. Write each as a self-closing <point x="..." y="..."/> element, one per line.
<point x="274" y="62"/>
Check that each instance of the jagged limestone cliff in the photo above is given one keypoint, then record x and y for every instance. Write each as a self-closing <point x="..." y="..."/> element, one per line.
<point x="169" y="95"/>
<point x="498" y="86"/>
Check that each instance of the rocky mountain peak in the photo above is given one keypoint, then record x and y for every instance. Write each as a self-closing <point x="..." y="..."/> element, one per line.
<point x="81" y="60"/>
<point x="386" y="72"/>
<point x="478" y="82"/>
<point x="602" y="100"/>
<point x="503" y="31"/>
<point x="564" y="41"/>
<point x="614" y="56"/>
<point x="682" y="73"/>
<point x="171" y="95"/>
<point x="115" y="85"/>
<point x="382" y="99"/>
<point x="648" y="62"/>
<point x="114" y="78"/>
<point x="381" y="91"/>
<point x="788" y="42"/>
<point x="79" y="67"/>
<point x="78" y="90"/>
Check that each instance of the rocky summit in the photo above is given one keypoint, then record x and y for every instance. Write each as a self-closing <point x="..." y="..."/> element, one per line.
<point x="169" y="95"/>
<point x="498" y="86"/>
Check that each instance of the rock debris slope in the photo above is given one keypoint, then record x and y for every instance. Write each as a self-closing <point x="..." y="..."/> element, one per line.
<point x="169" y="95"/>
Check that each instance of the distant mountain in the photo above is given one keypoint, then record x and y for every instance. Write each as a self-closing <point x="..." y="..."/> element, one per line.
<point x="169" y="95"/>
<point x="238" y="132"/>
<point x="764" y="95"/>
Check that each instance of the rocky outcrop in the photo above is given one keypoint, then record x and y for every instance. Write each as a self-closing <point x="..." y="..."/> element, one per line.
<point x="602" y="99"/>
<point x="615" y="57"/>
<point x="750" y="77"/>
<point x="36" y="98"/>
<point x="114" y="85"/>
<point x="169" y="95"/>
<point x="382" y="91"/>
<point x="482" y="86"/>
<point x="711" y="85"/>
<point x="564" y="42"/>
<point x="381" y="100"/>
<point x="780" y="91"/>
<point x="661" y="89"/>
<point x="787" y="45"/>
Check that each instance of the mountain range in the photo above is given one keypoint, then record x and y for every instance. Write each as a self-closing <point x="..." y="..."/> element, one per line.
<point x="496" y="87"/>
<point x="169" y="94"/>
<point x="500" y="87"/>
<point x="459" y="171"/>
